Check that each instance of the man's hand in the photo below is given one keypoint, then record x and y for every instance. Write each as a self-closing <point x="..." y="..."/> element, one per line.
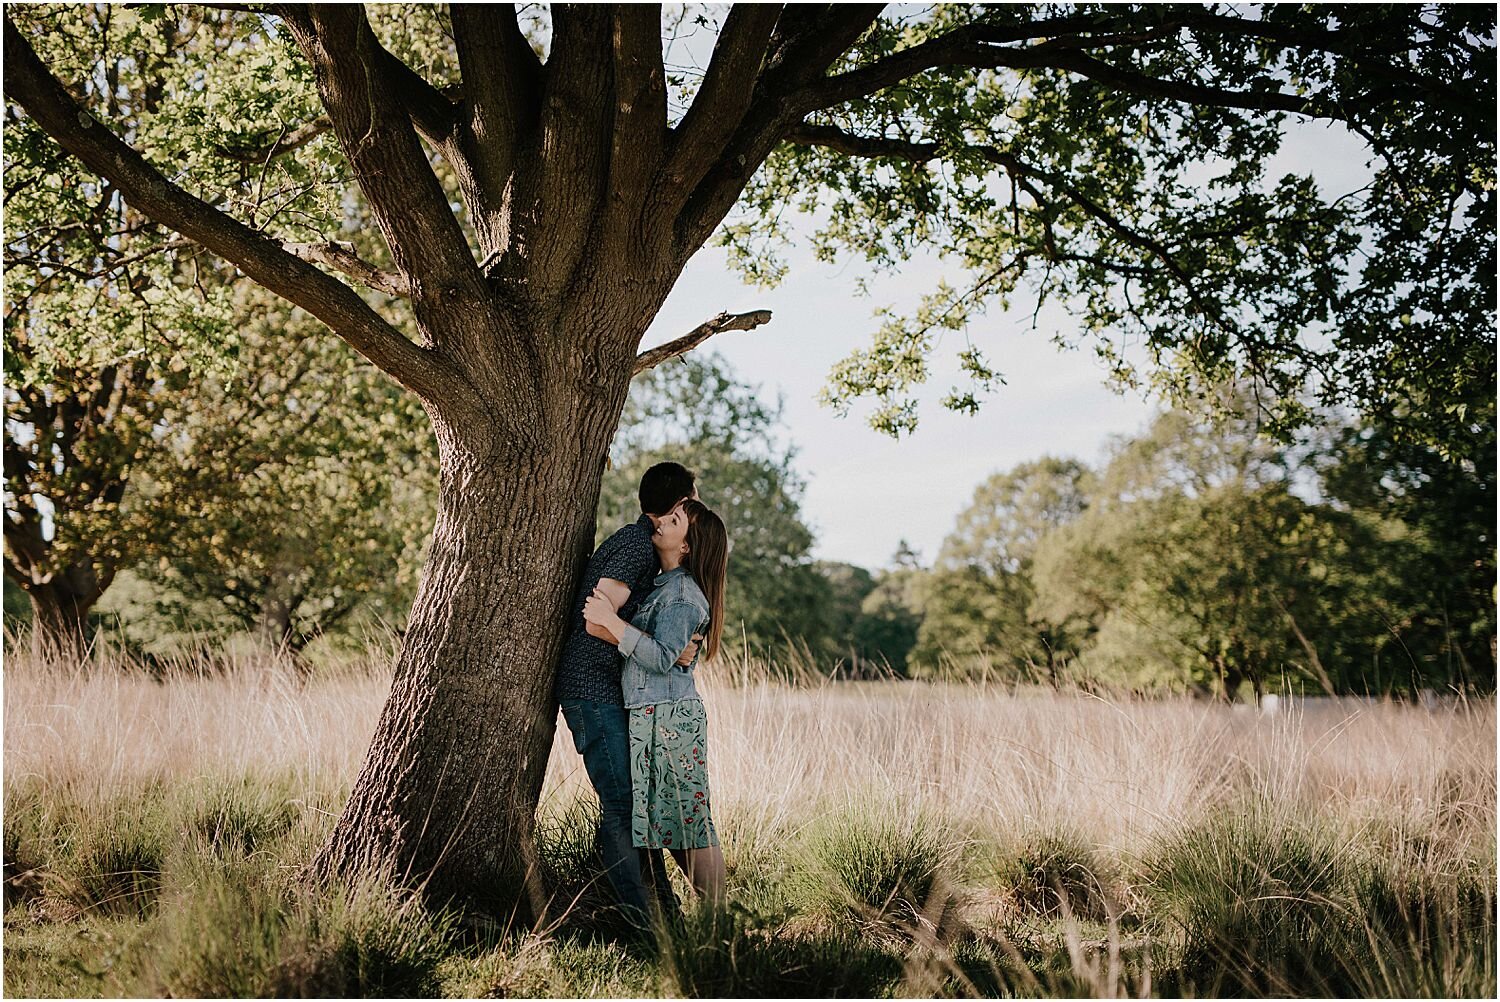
<point x="690" y="651"/>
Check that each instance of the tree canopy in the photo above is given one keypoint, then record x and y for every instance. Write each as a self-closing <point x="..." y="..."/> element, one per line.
<point x="1117" y="158"/>
<point x="1121" y="163"/>
<point x="165" y="414"/>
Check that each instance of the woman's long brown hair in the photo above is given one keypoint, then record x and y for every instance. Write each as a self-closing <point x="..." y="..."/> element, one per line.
<point x="707" y="561"/>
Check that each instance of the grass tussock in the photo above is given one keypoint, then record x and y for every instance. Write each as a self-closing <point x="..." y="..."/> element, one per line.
<point x="1013" y="843"/>
<point x="236" y="930"/>
<point x="1271" y="902"/>
<point x="870" y="866"/>
<point x="1051" y="872"/>
<point x="557" y="965"/>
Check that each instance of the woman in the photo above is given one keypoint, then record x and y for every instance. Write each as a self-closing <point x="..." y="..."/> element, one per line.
<point x="668" y="727"/>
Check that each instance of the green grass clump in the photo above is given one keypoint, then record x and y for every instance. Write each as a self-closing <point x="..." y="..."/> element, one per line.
<point x="1055" y="872"/>
<point x="240" y="928"/>
<point x="23" y="857"/>
<point x="80" y="852"/>
<point x="1252" y="889"/>
<point x="1414" y="930"/>
<point x="86" y="956"/>
<point x="117" y="866"/>
<point x="105" y="853"/>
<point x="578" y="895"/>
<point x="235" y="818"/>
<point x="1272" y="903"/>
<point x="873" y="867"/>
<point x="556" y="965"/>
<point x="1033" y="960"/>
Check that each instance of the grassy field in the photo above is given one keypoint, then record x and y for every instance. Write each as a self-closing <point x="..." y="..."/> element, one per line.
<point x="883" y="839"/>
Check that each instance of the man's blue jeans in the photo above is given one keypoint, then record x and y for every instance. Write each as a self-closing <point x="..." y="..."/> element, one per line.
<point x="601" y="733"/>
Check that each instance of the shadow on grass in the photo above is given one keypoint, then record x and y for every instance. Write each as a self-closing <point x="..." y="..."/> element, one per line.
<point x="727" y="953"/>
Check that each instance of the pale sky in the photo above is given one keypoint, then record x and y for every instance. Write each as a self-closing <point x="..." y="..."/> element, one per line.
<point x="865" y="491"/>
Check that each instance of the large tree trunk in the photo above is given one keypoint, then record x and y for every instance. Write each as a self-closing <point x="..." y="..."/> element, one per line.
<point x="274" y="625"/>
<point x="60" y="614"/>
<point x="586" y="205"/>
<point x="450" y="784"/>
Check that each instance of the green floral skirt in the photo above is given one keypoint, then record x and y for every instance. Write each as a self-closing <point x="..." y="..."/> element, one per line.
<point x="669" y="776"/>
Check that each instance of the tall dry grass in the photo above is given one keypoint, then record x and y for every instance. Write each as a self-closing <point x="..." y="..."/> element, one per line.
<point x="882" y="836"/>
<point x="1123" y="770"/>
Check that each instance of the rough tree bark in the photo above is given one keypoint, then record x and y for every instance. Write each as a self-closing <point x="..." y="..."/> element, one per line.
<point x="60" y="613"/>
<point x="455" y="767"/>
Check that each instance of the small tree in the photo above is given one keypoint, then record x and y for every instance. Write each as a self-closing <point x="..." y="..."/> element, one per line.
<point x="290" y="495"/>
<point x="695" y="412"/>
<point x="979" y="598"/>
<point x="891" y="614"/>
<point x="164" y="415"/>
<point x="1198" y="565"/>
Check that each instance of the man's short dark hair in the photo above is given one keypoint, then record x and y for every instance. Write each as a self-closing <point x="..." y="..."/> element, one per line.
<point x="663" y="486"/>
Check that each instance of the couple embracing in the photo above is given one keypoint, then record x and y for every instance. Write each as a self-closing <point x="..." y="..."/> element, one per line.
<point x="651" y="594"/>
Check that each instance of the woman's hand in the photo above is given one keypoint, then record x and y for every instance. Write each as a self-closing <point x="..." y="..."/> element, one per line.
<point x="600" y="611"/>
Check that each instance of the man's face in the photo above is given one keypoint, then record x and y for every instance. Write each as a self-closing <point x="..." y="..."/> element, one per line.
<point x="676" y="513"/>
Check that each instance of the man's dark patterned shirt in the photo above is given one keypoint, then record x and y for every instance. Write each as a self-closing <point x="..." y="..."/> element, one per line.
<point x="590" y="667"/>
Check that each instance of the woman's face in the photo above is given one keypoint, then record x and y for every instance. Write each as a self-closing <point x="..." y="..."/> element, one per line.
<point x="671" y="532"/>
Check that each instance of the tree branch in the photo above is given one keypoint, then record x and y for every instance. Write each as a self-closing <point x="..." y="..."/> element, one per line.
<point x="13" y="571"/>
<point x="365" y="91"/>
<point x="342" y="258"/>
<point x="502" y="82"/>
<point x="432" y="111"/>
<point x="1135" y="82"/>
<point x="721" y="102"/>
<point x="886" y="72"/>
<point x="870" y="147"/>
<point x="32" y="86"/>
<point x="723" y="322"/>
<point x="567" y="181"/>
<point x="954" y="48"/>
<point x="807" y="40"/>
<point x="980" y="46"/>
<point x="639" y="132"/>
<point x="1025" y="175"/>
<point x="291" y="141"/>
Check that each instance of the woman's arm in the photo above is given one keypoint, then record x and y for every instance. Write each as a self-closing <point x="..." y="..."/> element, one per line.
<point x="672" y="632"/>
<point x="674" y="629"/>
<point x="607" y="625"/>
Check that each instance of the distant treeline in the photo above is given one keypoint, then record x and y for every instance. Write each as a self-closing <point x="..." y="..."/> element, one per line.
<point x="1198" y="556"/>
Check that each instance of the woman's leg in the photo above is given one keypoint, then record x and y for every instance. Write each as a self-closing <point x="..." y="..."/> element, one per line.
<point x="705" y="871"/>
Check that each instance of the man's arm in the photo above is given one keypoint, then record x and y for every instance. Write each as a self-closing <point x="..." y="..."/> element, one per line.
<point x="617" y="593"/>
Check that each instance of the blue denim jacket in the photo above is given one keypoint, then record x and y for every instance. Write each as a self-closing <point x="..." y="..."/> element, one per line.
<point x="656" y="637"/>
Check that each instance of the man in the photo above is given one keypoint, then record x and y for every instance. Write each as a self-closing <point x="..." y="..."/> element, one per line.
<point x="624" y="568"/>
